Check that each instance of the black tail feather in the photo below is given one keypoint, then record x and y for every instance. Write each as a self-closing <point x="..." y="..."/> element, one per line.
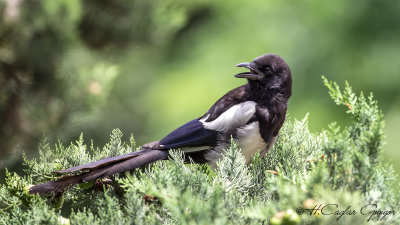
<point x="126" y="165"/>
<point x="99" y="169"/>
<point x="56" y="185"/>
<point x="103" y="162"/>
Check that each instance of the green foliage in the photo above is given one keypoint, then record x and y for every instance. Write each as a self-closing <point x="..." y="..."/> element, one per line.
<point x="232" y="172"/>
<point x="339" y="166"/>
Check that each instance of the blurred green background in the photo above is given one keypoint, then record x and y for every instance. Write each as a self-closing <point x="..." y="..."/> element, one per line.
<point x="146" y="67"/>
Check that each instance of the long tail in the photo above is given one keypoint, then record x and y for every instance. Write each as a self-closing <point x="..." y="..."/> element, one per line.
<point x="102" y="168"/>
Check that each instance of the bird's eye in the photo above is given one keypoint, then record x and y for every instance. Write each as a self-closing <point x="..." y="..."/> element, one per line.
<point x="267" y="69"/>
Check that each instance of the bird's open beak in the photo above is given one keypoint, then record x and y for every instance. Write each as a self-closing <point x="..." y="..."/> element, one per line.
<point x="252" y="74"/>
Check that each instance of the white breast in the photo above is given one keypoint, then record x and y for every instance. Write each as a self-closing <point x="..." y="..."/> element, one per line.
<point x="248" y="136"/>
<point x="250" y="140"/>
<point x="236" y="116"/>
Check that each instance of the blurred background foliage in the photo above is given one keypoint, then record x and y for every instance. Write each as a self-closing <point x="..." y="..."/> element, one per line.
<point x="146" y="67"/>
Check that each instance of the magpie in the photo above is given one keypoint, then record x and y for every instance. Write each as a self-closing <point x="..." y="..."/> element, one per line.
<point x="251" y="114"/>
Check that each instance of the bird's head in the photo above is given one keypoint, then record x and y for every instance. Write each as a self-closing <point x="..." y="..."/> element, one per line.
<point x="268" y="71"/>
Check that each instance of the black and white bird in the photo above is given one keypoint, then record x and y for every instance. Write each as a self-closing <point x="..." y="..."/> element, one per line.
<point x="252" y="114"/>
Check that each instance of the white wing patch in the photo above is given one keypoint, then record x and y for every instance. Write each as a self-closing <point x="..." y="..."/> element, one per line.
<point x="194" y="149"/>
<point x="236" y="116"/>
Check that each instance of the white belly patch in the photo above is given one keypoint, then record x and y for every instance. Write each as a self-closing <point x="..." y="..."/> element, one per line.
<point x="250" y="141"/>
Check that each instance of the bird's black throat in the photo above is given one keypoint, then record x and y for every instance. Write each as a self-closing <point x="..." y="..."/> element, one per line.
<point x="264" y="91"/>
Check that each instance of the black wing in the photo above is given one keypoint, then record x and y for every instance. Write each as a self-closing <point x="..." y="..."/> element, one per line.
<point x="191" y="134"/>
